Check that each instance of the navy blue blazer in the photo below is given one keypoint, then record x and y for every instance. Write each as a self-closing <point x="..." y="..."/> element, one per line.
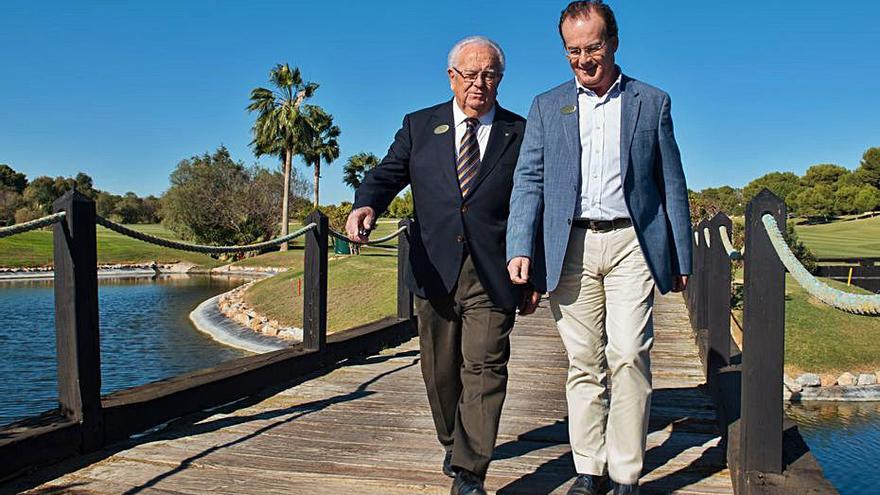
<point x="423" y="156"/>
<point x="547" y="184"/>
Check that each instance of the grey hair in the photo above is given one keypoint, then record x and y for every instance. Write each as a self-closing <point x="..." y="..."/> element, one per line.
<point x="481" y="40"/>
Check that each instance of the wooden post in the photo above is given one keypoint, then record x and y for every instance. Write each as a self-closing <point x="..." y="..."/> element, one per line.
<point x="404" y="296"/>
<point x="763" y="343"/>
<point x="691" y="290"/>
<point x="315" y="284"/>
<point x="701" y="272"/>
<point x="718" y="268"/>
<point x="76" y="316"/>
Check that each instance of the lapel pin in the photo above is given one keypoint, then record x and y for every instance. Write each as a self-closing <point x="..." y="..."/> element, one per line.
<point x="440" y="129"/>
<point x="568" y="109"/>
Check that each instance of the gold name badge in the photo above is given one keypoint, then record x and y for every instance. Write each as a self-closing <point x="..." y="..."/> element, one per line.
<point x="440" y="129"/>
<point x="568" y="109"/>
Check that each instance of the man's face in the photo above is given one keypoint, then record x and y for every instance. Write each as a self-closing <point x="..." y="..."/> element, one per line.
<point x="582" y="35"/>
<point x="480" y="63"/>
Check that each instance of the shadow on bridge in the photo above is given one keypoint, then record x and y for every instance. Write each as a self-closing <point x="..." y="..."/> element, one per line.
<point x="193" y="425"/>
<point x="553" y="474"/>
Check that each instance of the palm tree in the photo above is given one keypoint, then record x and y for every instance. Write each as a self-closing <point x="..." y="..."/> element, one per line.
<point x="357" y="166"/>
<point x="279" y="124"/>
<point x="319" y="141"/>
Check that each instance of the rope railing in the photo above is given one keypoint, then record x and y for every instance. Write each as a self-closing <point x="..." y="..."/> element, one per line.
<point x="862" y="304"/>
<point x="198" y="248"/>
<point x="732" y="253"/>
<point x="31" y="225"/>
<point x="373" y="242"/>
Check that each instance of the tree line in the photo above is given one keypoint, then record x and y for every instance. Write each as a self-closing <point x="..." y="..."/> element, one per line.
<point x="22" y="200"/>
<point x="824" y="191"/>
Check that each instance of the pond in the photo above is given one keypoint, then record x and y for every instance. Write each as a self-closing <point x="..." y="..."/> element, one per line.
<point x="146" y="336"/>
<point x="845" y="438"/>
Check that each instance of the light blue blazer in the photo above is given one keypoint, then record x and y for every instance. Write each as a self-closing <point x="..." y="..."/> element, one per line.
<point x="547" y="183"/>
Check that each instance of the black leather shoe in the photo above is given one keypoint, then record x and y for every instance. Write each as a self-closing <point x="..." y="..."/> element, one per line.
<point x="447" y="465"/>
<point x="586" y="484"/>
<point x="467" y="483"/>
<point x="621" y="489"/>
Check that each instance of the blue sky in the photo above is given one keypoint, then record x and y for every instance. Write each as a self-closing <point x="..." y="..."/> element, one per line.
<point x="124" y="90"/>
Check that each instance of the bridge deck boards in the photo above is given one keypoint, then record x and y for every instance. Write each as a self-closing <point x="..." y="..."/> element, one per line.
<point x="365" y="428"/>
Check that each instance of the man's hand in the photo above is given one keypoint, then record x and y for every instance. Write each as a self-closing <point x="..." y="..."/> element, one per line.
<point x="359" y="224"/>
<point x="518" y="269"/>
<point x="529" y="302"/>
<point x="679" y="283"/>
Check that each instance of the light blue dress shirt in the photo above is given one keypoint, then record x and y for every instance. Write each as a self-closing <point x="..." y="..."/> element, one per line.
<point x="601" y="186"/>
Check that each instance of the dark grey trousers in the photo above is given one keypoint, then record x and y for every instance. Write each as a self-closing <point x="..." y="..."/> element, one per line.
<point x="465" y="346"/>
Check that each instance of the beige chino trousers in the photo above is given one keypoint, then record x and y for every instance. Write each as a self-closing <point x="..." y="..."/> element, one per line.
<point x="603" y="310"/>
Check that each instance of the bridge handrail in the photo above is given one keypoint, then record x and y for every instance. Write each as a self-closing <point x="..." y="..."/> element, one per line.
<point x="862" y="304"/>
<point x="199" y="248"/>
<point x="372" y="242"/>
<point x="732" y="253"/>
<point x="38" y="223"/>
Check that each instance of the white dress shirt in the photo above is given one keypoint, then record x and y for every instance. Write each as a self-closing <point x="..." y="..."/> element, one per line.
<point x="483" y="129"/>
<point x="601" y="183"/>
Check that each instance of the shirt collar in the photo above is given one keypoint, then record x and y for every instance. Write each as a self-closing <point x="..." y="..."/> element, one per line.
<point x="459" y="117"/>
<point x="614" y="90"/>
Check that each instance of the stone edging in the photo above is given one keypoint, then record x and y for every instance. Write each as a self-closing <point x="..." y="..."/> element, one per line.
<point x="846" y="387"/>
<point x="233" y="306"/>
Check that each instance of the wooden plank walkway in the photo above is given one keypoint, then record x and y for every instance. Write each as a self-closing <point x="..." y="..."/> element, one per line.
<point x="366" y="428"/>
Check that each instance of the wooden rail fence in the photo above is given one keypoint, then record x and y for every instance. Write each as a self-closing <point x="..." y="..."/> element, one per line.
<point x="85" y="421"/>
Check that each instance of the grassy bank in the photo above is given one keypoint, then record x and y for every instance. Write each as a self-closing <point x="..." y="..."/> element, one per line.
<point x="34" y="248"/>
<point x="821" y="339"/>
<point x="360" y="289"/>
<point x="843" y="239"/>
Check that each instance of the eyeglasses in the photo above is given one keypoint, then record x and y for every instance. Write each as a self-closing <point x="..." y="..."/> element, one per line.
<point x="490" y="76"/>
<point x="589" y="50"/>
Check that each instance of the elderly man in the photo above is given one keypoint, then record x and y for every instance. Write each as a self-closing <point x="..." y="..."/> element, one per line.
<point x="600" y="169"/>
<point x="459" y="158"/>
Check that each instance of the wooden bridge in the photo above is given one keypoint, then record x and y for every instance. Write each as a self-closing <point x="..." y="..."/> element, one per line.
<point x="347" y="413"/>
<point x="365" y="427"/>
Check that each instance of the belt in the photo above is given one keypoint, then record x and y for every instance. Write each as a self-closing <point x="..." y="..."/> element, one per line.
<point x="602" y="225"/>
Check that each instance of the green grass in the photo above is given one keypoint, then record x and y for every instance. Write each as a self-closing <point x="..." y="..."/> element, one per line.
<point x="361" y="289"/>
<point x="35" y="249"/>
<point x="822" y="339"/>
<point x="294" y="256"/>
<point x="844" y="239"/>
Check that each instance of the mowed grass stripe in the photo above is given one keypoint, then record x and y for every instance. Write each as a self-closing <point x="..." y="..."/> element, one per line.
<point x="848" y="239"/>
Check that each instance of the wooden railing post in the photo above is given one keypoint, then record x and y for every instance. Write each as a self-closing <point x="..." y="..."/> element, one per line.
<point x="692" y="289"/>
<point x="701" y="278"/>
<point x="315" y="284"/>
<point x="763" y="344"/>
<point x="718" y="273"/>
<point x="76" y="316"/>
<point x="404" y="296"/>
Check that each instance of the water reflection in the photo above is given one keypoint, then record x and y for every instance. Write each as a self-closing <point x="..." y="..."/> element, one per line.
<point x="145" y="336"/>
<point x="845" y="438"/>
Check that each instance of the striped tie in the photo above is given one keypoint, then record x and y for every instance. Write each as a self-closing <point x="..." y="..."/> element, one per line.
<point x="468" y="156"/>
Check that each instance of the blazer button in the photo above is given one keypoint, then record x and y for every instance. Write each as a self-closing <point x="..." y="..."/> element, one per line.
<point x="569" y="221"/>
<point x="459" y="238"/>
<point x="464" y="209"/>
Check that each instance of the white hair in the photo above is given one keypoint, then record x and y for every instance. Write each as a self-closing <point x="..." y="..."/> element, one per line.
<point x="481" y="40"/>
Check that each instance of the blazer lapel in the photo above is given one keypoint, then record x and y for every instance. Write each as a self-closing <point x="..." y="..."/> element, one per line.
<point x="629" y="115"/>
<point x="499" y="138"/>
<point x="443" y="146"/>
<point x="569" y="115"/>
